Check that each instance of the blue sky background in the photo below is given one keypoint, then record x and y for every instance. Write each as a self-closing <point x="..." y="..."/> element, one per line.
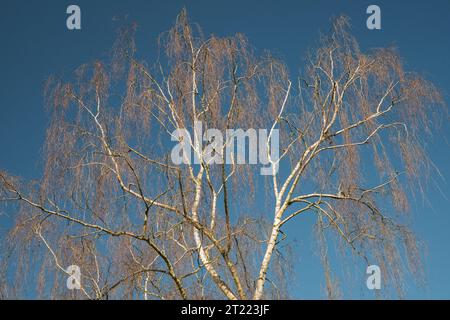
<point x="35" y="43"/>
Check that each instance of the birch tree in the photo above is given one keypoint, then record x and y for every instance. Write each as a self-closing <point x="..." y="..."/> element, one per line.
<point x="353" y="127"/>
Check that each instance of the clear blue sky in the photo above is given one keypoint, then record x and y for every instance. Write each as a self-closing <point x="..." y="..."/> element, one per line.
<point x="35" y="44"/>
